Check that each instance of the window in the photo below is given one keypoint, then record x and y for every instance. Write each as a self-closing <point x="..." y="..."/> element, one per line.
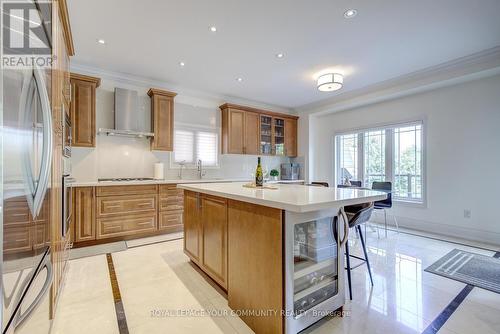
<point x="407" y="162"/>
<point x="191" y="145"/>
<point x="348" y="157"/>
<point x="374" y="156"/>
<point x="392" y="153"/>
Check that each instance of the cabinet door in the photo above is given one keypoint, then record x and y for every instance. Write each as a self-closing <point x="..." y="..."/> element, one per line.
<point x="214" y="258"/>
<point x="278" y="136"/>
<point x="83" y="113"/>
<point x="192" y="226"/>
<point x="252" y="121"/>
<point x="162" y="123"/>
<point x="235" y="131"/>
<point x="83" y="214"/>
<point x="291" y="137"/>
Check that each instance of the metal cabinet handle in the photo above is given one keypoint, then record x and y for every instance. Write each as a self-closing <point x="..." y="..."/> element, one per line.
<point x="346" y="227"/>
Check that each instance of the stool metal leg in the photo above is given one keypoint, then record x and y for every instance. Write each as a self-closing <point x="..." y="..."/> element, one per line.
<point x="366" y="254"/>
<point x="385" y="222"/>
<point x="348" y="263"/>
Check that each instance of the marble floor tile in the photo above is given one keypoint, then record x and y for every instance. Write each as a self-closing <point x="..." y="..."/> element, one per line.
<point x="157" y="281"/>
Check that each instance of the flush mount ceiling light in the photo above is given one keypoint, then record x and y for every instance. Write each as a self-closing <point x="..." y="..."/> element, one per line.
<point x="182" y="64"/>
<point x="350" y="13"/>
<point x="213" y="29"/>
<point x="280" y="55"/>
<point x="239" y="79"/>
<point x="330" y="82"/>
<point x="101" y="41"/>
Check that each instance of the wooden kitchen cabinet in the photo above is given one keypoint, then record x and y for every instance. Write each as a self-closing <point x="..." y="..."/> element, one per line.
<point x="251" y="127"/>
<point x="124" y="212"/>
<point x="290" y="137"/>
<point x="84" y="213"/>
<point x="247" y="130"/>
<point x="171" y="207"/>
<point x="192" y="226"/>
<point x="205" y="234"/>
<point x="233" y="131"/>
<point x="83" y="109"/>
<point x="214" y="235"/>
<point x="162" y="119"/>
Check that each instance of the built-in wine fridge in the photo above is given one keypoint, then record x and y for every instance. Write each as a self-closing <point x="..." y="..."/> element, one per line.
<point x="314" y="267"/>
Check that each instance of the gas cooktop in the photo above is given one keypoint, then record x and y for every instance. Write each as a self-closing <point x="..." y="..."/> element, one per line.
<point x="121" y="179"/>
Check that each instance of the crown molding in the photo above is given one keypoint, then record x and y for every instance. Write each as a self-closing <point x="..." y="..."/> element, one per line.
<point x="476" y="66"/>
<point x="185" y="95"/>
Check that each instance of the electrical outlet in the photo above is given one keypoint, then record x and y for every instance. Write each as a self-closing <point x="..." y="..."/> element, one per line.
<point x="467" y="213"/>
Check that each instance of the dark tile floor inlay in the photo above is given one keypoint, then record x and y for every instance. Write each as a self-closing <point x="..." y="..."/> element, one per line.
<point x="120" y="312"/>
<point x="436" y="325"/>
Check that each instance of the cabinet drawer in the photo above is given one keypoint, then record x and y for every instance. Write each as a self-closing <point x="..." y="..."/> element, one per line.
<point x="16" y="212"/>
<point x="16" y="238"/>
<point x="115" y="205"/>
<point x="171" y="203"/>
<point x="171" y="221"/>
<point x="170" y="189"/>
<point x="125" y="225"/>
<point x="126" y="190"/>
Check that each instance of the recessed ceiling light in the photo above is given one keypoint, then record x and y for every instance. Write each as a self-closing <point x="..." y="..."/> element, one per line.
<point x="101" y="41"/>
<point x="350" y="13"/>
<point x="213" y="29"/>
<point x="239" y="79"/>
<point x="182" y="64"/>
<point x="280" y="55"/>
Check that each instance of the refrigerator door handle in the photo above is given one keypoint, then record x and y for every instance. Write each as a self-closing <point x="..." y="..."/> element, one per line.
<point x="34" y="81"/>
<point x="47" y="142"/>
<point x="22" y="316"/>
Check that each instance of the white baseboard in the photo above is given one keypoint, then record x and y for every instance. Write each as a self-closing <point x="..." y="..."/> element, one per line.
<point x="483" y="237"/>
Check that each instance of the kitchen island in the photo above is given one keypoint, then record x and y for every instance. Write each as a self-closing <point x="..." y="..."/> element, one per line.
<point x="275" y="251"/>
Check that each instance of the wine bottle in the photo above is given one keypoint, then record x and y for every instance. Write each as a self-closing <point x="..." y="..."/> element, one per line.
<point x="259" y="177"/>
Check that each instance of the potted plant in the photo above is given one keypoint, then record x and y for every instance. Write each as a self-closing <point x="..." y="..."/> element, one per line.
<point x="274" y="174"/>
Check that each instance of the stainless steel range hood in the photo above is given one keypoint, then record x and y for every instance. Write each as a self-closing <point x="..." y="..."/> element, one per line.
<point x="128" y="120"/>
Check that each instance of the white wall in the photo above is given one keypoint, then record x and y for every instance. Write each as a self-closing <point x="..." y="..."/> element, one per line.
<point x="131" y="157"/>
<point x="462" y="154"/>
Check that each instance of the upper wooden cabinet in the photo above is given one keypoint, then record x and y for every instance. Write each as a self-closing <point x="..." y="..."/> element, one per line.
<point x="83" y="92"/>
<point x="162" y="119"/>
<point x="290" y="137"/>
<point x="248" y="130"/>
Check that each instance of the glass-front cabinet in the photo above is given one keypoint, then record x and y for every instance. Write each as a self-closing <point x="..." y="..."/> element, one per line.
<point x="266" y="134"/>
<point x="315" y="264"/>
<point x="279" y="136"/>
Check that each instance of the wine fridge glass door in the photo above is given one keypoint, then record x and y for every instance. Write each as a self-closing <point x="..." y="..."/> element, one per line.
<point x="315" y="262"/>
<point x="314" y="267"/>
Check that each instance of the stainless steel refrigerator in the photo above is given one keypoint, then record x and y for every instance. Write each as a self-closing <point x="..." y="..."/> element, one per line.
<point x="25" y="265"/>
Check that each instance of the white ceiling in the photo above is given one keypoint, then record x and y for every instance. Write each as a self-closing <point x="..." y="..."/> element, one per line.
<point x="387" y="39"/>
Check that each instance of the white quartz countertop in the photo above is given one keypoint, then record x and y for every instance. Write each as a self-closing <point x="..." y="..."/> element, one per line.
<point x="290" y="197"/>
<point x="166" y="181"/>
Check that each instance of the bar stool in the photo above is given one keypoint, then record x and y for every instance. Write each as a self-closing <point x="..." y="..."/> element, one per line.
<point x="386" y="203"/>
<point x="357" y="215"/>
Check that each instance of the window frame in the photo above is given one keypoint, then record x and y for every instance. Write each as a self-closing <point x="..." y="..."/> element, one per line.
<point x="196" y="129"/>
<point x="389" y="155"/>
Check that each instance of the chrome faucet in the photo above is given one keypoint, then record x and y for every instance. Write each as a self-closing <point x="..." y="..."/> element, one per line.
<point x="199" y="167"/>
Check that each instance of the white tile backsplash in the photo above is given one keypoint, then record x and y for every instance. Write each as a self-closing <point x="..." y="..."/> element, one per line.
<point x="131" y="157"/>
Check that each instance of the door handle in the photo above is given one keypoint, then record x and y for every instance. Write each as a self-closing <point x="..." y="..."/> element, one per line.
<point x="346" y="227"/>
<point x="34" y="81"/>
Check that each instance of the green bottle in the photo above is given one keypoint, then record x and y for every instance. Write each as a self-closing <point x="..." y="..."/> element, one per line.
<point x="259" y="178"/>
